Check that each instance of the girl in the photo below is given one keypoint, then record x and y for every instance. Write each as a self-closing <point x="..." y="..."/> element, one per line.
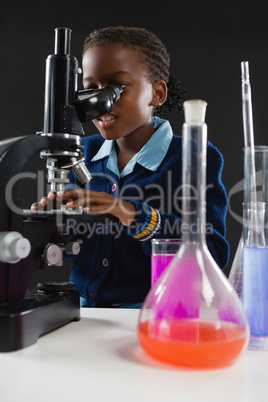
<point x="135" y="163"/>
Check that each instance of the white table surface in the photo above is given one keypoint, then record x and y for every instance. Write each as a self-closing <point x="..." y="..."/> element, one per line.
<point x="99" y="359"/>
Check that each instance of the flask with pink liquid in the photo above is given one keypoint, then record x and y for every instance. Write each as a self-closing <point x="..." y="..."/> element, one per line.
<point x="192" y="316"/>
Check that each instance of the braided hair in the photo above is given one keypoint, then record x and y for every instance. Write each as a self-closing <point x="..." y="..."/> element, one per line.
<point x="153" y="54"/>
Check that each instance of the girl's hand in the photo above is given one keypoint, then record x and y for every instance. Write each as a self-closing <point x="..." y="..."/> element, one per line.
<point x="101" y="202"/>
<point x="45" y="203"/>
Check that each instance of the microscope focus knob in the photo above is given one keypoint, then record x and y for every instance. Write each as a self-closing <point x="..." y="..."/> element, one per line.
<point x="13" y="247"/>
<point x="72" y="248"/>
<point x="53" y="254"/>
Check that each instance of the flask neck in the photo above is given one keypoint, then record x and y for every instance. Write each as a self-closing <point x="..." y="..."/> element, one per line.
<point x="194" y="183"/>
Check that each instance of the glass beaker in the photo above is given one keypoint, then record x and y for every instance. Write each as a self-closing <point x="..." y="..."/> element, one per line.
<point x="236" y="271"/>
<point x="163" y="252"/>
<point x="192" y="316"/>
<point x="255" y="248"/>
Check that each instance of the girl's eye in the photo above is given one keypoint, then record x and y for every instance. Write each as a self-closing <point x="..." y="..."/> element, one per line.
<point x="124" y="85"/>
<point x="90" y="87"/>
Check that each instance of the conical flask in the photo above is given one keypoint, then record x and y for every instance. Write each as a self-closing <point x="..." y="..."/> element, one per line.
<point x="249" y="273"/>
<point x="192" y="316"/>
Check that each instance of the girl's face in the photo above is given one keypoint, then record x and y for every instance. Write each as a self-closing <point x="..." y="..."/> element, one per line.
<point x="117" y="64"/>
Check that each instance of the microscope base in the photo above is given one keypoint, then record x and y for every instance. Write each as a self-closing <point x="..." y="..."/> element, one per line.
<point x="22" y="323"/>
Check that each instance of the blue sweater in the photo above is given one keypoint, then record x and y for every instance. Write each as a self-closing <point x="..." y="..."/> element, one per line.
<point x="113" y="266"/>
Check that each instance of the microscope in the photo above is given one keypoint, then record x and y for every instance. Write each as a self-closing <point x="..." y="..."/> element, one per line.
<point x="30" y="238"/>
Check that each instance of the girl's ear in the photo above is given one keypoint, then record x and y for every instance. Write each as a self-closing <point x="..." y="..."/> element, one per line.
<point x="159" y="93"/>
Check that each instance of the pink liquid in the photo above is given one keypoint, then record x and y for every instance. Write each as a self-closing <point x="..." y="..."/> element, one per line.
<point x="180" y="299"/>
<point x="158" y="264"/>
<point x="182" y="296"/>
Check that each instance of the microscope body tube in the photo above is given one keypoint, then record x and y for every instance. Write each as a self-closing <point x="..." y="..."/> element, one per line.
<point x="66" y="108"/>
<point x="60" y="116"/>
<point x="61" y="83"/>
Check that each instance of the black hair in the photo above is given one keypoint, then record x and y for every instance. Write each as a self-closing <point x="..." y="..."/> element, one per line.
<point x="152" y="52"/>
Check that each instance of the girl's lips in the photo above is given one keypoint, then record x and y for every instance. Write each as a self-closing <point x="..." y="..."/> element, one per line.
<point x="107" y="120"/>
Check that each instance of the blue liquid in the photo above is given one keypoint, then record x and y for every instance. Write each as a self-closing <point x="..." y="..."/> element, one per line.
<point x="255" y="288"/>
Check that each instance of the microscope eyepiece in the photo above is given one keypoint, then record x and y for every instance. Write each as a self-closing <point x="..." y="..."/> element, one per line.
<point x="93" y="103"/>
<point x="62" y="41"/>
<point x="115" y="90"/>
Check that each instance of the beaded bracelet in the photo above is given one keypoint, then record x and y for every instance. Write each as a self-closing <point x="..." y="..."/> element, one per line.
<point x="148" y="229"/>
<point x="157" y="227"/>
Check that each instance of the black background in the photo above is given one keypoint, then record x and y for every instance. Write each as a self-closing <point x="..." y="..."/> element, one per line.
<point x="207" y="41"/>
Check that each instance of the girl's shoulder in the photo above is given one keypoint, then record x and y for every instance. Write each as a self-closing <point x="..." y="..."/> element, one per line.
<point x="213" y="154"/>
<point x="177" y="142"/>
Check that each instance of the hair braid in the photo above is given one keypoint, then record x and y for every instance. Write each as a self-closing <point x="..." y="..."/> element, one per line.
<point x="153" y="54"/>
